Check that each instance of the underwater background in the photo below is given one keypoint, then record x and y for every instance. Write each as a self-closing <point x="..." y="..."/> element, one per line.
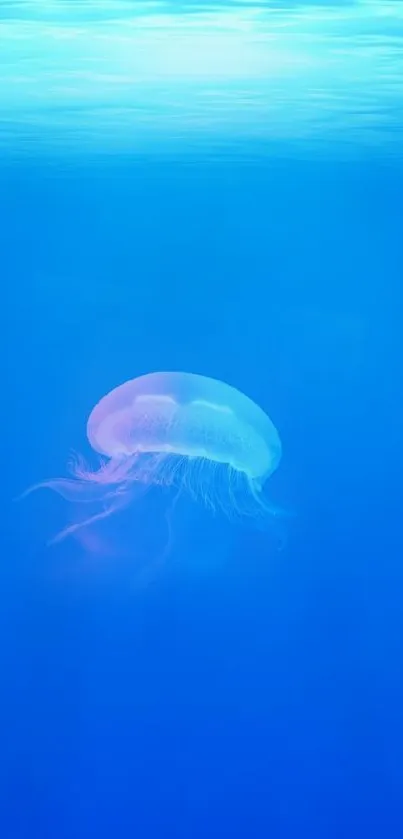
<point x="214" y="188"/>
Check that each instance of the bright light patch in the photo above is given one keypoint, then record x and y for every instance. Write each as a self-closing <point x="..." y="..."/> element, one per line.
<point x="164" y="400"/>
<point x="220" y="409"/>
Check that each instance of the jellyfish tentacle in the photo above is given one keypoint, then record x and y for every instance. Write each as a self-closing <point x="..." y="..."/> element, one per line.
<point x="88" y="485"/>
<point x="72" y="490"/>
<point x="119" y="502"/>
<point x="110" y="472"/>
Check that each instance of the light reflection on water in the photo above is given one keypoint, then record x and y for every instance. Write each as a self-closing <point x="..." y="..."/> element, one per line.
<point x="130" y="76"/>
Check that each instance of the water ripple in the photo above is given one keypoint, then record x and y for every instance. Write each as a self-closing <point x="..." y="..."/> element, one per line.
<point x="114" y="74"/>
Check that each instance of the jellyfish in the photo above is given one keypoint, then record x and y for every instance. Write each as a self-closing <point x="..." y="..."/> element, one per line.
<point x="180" y="430"/>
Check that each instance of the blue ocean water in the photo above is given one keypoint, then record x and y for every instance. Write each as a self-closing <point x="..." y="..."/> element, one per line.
<point x="215" y="189"/>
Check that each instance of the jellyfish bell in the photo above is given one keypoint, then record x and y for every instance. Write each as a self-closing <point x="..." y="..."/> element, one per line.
<point x="187" y="415"/>
<point x="180" y="430"/>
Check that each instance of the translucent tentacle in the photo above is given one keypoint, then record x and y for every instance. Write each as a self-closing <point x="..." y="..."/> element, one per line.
<point x="89" y="485"/>
<point x="119" y="502"/>
<point x="73" y="490"/>
<point x="112" y="471"/>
